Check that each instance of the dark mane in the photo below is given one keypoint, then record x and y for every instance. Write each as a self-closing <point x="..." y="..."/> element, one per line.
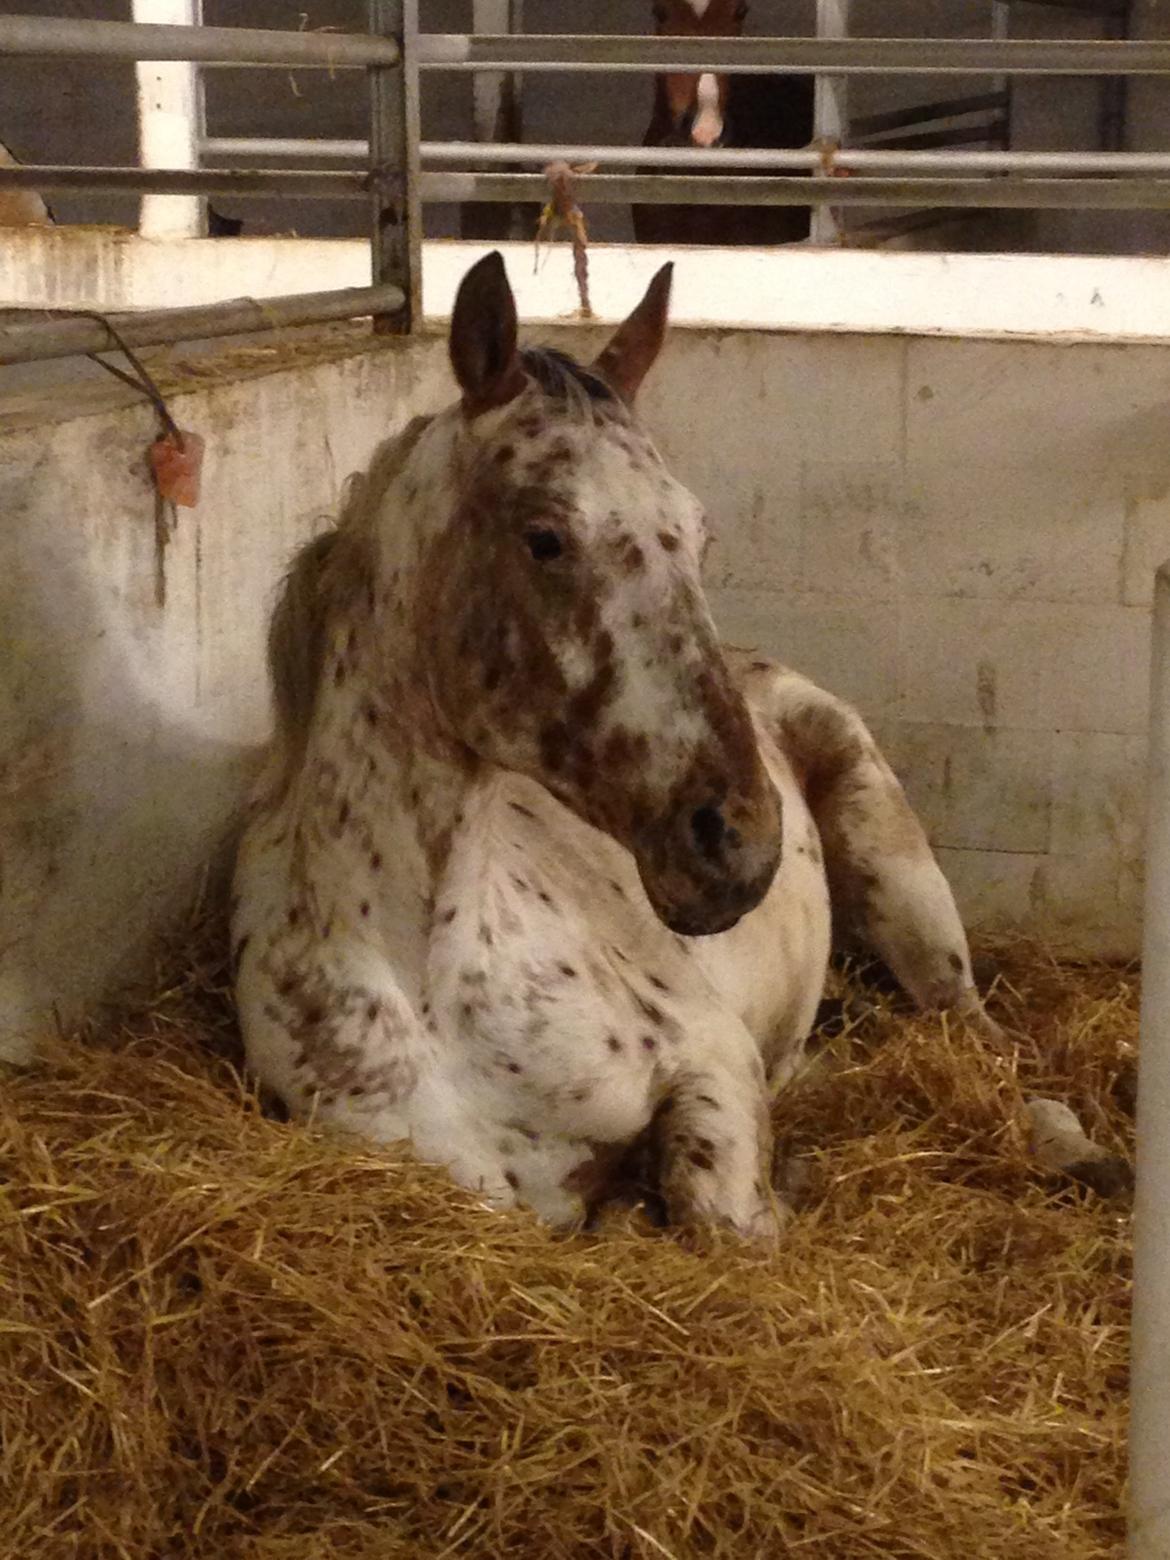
<point x="559" y="376"/>
<point x="326" y="576"/>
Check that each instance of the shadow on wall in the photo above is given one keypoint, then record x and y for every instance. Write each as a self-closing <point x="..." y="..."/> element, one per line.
<point x="111" y="804"/>
<point x="133" y="692"/>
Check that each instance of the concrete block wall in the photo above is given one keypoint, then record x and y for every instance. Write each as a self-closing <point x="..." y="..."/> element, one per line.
<point x="960" y="537"/>
<point x="956" y="535"/>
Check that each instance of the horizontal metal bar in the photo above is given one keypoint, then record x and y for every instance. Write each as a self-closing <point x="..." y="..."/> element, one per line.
<point x="851" y="159"/>
<point x="906" y="222"/>
<point x="955" y="135"/>
<point x="1125" y="167"/>
<point x="59" y="37"/>
<point x="1088" y="7"/>
<point x="854" y="159"/>
<point x="334" y="184"/>
<point x="274" y="146"/>
<point x="800" y="56"/>
<point x="925" y="113"/>
<point x="717" y="190"/>
<point x="64" y="336"/>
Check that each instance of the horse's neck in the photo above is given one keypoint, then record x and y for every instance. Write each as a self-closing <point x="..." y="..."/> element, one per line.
<point x="662" y="121"/>
<point x="382" y="784"/>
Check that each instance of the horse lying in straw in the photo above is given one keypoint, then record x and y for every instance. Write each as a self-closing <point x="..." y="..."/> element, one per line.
<point x="539" y="871"/>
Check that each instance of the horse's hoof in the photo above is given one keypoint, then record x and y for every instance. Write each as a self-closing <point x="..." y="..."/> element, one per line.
<point x="1060" y="1144"/>
<point x="1110" y="1176"/>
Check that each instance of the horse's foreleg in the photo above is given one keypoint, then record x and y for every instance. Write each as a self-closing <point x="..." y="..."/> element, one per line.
<point x="713" y="1146"/>
<point x="887" y="890"/>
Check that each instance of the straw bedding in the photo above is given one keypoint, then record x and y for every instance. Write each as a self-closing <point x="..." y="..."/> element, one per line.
<point x="226" y="1336"/>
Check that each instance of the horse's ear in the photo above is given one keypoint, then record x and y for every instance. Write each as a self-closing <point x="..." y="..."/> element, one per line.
<point x="483" y="337"/>
<point x="631" y="352"/>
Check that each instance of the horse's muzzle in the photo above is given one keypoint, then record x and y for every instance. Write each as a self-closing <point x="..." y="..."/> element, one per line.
<point x="706" y="868"/>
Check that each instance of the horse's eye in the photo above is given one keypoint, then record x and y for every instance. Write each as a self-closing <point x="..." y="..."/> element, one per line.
<point x="544" y="545"/>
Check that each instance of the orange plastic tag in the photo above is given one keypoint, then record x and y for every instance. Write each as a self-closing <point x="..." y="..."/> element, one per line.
<point x="177" y="471"/>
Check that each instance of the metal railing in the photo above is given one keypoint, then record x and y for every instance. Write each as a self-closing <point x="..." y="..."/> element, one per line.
<point x="912" y="172"/>
<point x="389" y="183"/>
<point x="400" y="172"/>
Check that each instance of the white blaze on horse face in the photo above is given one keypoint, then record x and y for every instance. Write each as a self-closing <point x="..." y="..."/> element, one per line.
<point x="708" y="126"/>
<point x="699" y="7"/>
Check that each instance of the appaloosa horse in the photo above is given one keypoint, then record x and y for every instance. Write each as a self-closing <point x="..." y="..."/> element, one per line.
<point x="538" y="871"/>
<point x="771" y="111"/>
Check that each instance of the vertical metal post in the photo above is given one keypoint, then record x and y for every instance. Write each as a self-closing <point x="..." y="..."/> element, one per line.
<point x="170" y="124"/>
<point x="1149" y="1513"/>
<point x="396" y="210"/>
<point x="1001" y="28"/>
<point x="830" y="110"/>
<point x="1115" y="90"/>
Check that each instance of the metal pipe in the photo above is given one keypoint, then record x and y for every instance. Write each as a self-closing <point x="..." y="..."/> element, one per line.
<point x="716" y="190"/>
<point x="59" y="37"/>
<point x="278" y="146"/>
<point x="331" y="185"/>
<point x="395" y="207"/>
<point x="799" y="56"/>
<point x="1149" y="1510"/>
<point x="1114" y="91"/>
<point x="976" y="134"/>
<point x="1104" y="194"/>
<point x="170" y="123"/>
<point x="461" y="154"/>
<point x="72" y="337"/>
<point x="1086" y="7"/>
<point x="830" y="114"/>
<point x="905" y="118"/>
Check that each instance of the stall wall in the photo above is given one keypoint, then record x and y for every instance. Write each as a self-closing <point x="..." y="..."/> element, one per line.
<point x="957" y="535"/>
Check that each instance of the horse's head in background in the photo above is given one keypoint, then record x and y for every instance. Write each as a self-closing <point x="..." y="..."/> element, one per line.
<point x="696" y="106"/>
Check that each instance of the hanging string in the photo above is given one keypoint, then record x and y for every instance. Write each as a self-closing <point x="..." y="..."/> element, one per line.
<point x="139" y="380"/>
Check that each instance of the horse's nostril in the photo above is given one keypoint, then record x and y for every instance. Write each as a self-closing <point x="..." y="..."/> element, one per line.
<point x="708" y="828"/>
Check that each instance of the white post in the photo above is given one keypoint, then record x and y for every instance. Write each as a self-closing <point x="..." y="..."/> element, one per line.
<point x="1149" y="1513"/>
<point x="170" y="124"/>
<point x="487" y="86"/>
<point x="830" y="109"/>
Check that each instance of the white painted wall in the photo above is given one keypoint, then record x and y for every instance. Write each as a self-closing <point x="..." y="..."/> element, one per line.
<point x="959" y="535"/>
<point x="1105" y="298"/>
<point x="132" y="692"/>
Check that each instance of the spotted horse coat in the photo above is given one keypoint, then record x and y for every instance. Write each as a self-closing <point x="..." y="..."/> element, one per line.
<point x="538" y="873"/>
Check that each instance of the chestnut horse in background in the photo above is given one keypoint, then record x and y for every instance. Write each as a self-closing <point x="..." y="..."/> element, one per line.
<point x="737" y="111"/>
